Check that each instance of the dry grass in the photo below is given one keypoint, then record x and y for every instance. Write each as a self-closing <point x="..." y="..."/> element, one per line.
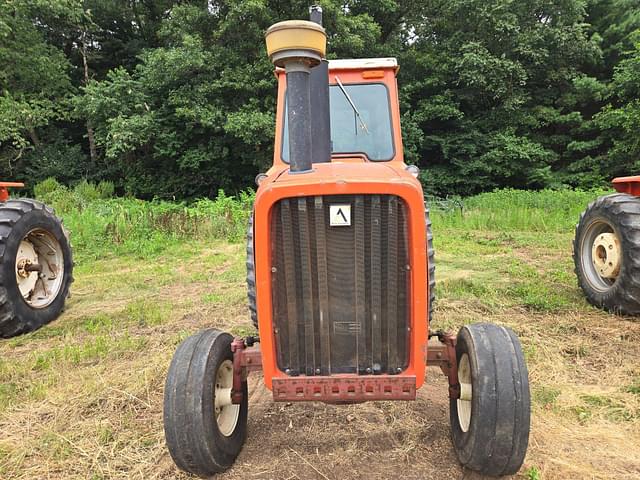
<point x="82" y="398"/>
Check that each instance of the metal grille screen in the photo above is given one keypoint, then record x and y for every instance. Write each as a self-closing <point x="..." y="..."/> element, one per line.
<point x="340" y="281"/>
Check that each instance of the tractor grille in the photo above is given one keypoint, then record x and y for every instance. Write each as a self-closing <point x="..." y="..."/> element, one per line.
<point x="340" y="293"/>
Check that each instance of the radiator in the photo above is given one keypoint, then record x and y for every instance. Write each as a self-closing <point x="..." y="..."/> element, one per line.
<point x="340" y="284"/>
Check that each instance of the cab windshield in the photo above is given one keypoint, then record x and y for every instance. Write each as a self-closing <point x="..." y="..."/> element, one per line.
<point x="360" y="122"/>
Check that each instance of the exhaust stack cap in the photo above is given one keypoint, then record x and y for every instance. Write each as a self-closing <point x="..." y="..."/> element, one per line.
<point x="298" y="46"/>
<point x="315" y="14"/>
<point x="296" y="41"/>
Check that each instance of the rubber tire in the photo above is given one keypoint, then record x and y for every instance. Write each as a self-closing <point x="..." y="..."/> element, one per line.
<point x="251" y="271"/>
<point x="431" y="259"/>
<point x="17" y="218"/>
<point x="622" y="213"/>
<point x="251" y="275"/>
<point x="498" y="435"/>
<point x="191" y="431"/>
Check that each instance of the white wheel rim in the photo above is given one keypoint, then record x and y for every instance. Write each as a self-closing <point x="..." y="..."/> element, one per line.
<point x="39" y="247"/>
<point x="606" y="255"/>
<point x="599" y="247"/>
<point x="26" y="256"/>
<point x="226" y="413"/>
<point x="466" y="393"/>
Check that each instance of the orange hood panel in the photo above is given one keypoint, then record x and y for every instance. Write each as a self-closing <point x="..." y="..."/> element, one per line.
<point x="342" y="173"/>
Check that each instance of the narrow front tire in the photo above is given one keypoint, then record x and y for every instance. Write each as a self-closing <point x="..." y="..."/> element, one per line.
<point x="203" y="430"/>
<point x="490" y="421"/>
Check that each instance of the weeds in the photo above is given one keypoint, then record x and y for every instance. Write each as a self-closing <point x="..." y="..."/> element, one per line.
<point x="102" y="226"/>
<point x="533" y="473"/>
<point x="513" y="210"/>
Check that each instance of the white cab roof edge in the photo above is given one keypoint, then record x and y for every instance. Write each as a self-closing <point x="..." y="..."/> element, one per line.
<point x="360" y="63"/>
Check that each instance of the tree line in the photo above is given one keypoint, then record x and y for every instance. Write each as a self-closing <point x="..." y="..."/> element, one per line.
<point x="176" y="99"/>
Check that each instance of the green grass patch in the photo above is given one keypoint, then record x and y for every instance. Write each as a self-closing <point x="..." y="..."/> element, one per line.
<point x="243" y="330"/>
<point x="603" y="406"/>
<point x="545" y="396"/>
<point x="55" y="446"/>
<point x="539" y="298"/>
<point x="634" y="388"/>
<point x="90" y="351"/>
<point x="466" y="288"/>
<point x="533" y="473"/>
<point x="147" y="313"/>
<point x="19" y="383"/>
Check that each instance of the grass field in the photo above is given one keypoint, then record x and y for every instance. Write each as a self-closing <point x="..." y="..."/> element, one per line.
<point x="82" y="397"/>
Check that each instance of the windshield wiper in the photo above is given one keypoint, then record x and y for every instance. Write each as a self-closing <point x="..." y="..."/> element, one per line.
<point x="353" y="105"/>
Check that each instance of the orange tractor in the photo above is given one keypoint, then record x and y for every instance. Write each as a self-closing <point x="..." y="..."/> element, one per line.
<point x="35" y="264"/>
<point x="606" y="249"/>
<point x="340" y="275"/>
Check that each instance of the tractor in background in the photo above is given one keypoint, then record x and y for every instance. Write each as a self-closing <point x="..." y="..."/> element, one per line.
<point x="36" y="264"/>
<point x="341" y="280"/>
<point x="606" y="249"/>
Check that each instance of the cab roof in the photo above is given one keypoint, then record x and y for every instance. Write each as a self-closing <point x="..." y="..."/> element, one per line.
<point x="359" y="64"/>
<point x="363" y="64"/>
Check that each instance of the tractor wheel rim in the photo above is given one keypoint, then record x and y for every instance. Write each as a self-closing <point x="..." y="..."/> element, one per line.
<point x="601" y="255"/>
<point x="605" y="255"/>
<point x="466" y="393"/>
<point x="39" y="248"/>
<point x="226" y="415"/>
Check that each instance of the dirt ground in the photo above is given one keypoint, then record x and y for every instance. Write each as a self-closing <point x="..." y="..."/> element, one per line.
<point x="377" y="440"/>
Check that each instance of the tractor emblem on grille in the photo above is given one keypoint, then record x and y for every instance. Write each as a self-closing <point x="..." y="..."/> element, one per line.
<point x="340" y="215"/>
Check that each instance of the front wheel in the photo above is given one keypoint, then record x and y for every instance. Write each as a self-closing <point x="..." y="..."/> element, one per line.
<point x="490" y="421"/>
<point x="203" y="429"/>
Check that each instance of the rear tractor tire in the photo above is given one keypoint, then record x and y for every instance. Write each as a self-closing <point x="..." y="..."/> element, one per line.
<point x="606" y="253"/>
<point x="490" y="421"/>
<point x="203" y="429"/>
<point x="35" y="266"/>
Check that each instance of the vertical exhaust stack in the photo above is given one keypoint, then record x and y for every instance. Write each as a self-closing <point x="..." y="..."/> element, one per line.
<point x="320" y="119"/>
<point x="298" y="46"/>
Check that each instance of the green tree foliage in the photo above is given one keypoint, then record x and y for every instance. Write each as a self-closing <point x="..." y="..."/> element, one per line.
<point x="176" y="99"/>
<point x="489" y="88"/>
<point x="35" y="87"/>
<point x="620" y="119"/>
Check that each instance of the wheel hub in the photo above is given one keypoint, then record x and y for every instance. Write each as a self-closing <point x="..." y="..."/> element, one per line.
<point x="227" y="413"/>
<point x="39" y="268"/>
<point x="466" y="393"/>
<point x="606" y="255"/>
<point x="26" y="257"/>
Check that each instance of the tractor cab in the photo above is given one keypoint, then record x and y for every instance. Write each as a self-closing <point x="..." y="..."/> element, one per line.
<point x="363" y="111"/>
<point x="339" y="237"/>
